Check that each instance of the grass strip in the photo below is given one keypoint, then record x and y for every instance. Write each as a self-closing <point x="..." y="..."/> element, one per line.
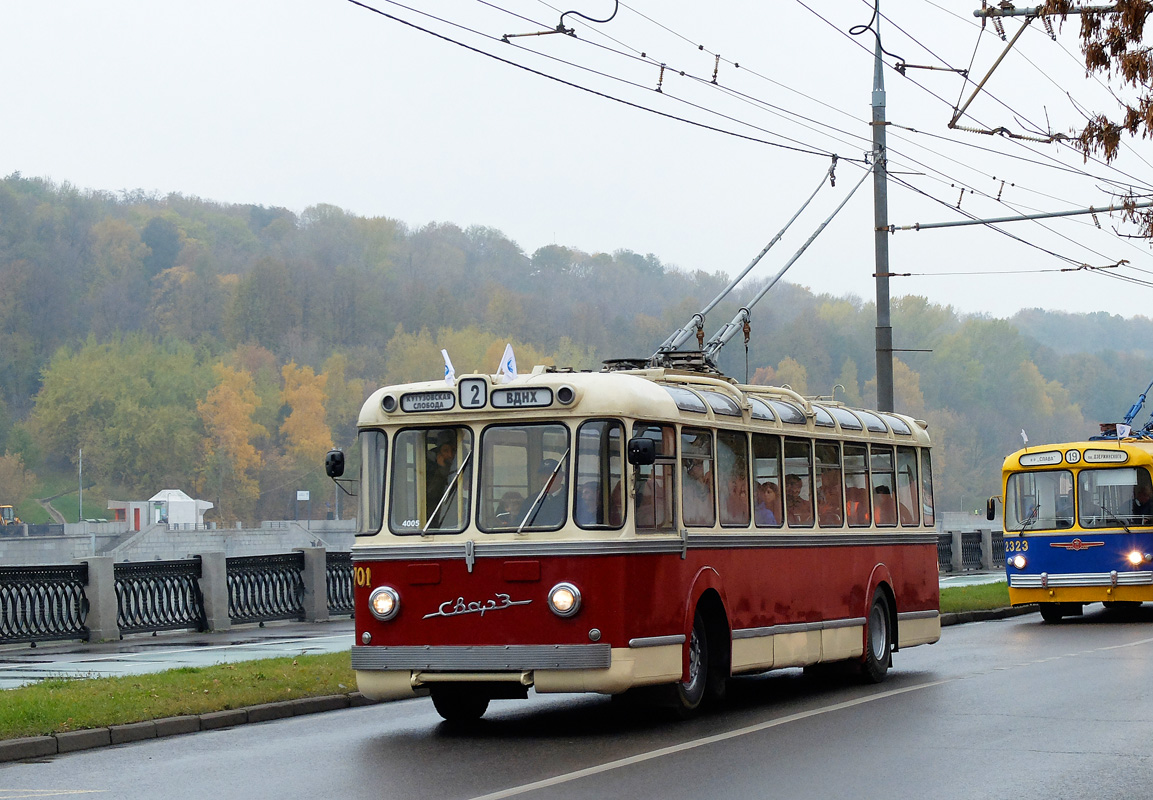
<point x="980" y="597"/>
<point x="56" y="706"/>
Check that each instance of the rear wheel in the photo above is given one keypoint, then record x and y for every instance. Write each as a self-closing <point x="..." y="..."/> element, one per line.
<point x="878" y="640"/>
<point x="687" y="695"/>
<point x="458" y="704"/>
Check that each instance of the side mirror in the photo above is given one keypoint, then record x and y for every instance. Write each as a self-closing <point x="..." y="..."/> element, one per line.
<point x="991" y="509"/>
<point x="334" y="463"/>
<point x="642" y="451"/>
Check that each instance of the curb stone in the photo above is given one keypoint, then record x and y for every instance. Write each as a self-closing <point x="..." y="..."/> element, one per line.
<point x="72" y="741"/>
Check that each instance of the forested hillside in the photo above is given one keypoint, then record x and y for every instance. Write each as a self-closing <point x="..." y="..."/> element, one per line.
<point x="222" y="349"/>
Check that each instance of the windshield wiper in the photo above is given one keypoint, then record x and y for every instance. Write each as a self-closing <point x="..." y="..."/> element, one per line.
<point x="1032" y="518"/>
<point x="537" y="504"/>
<point x="1116" y="518"/>
<point x="449" y="489"/>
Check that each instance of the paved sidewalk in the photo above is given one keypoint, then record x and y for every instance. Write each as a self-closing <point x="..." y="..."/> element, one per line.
<point x="139" y="653"/>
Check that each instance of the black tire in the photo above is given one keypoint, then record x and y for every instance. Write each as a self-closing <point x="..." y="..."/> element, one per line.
<point x="457" y="704"/>
<point x="878" y="640"/>
<point x="1052" y="612"/>
<point x="689" y="695"/>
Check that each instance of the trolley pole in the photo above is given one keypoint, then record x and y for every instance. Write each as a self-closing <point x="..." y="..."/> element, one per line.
<point x="881" y="231"/>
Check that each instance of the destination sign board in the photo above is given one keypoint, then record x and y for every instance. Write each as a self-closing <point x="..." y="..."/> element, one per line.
<point x="522" y="398"/>
<point x="428" y="401"/>
<point x="1048" y="458"/>
<point x="1106" y="456"/>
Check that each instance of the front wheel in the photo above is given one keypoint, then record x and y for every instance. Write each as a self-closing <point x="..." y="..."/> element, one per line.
<point x="688" y="694"/>
<point x="459" y="705"/>
<point x="878" y="641"/>
<point x="1052" y="612"/>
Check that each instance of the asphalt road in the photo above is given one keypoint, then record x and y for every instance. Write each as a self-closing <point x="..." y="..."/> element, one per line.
<point x="1006" y="708"/>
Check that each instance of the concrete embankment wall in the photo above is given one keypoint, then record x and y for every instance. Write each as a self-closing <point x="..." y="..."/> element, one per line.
<point x="164" y="542"/>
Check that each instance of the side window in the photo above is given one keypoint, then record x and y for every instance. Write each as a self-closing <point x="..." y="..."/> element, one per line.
<point x="767" y="509"/>
<point x="373" y="459"/>
<point x="884" y="496"/>
<point x="830" y="505"/>
<point x="698" y="504"/>
<point x="927" y="486"/>
<point x="656" y="484"/>
<point x="799" y="482"/>
<point x="431" y="480"/>
<point x="598" y="498"/>
<point x="907" y="502"/>
<point x="733" y="474"/>
<point x="857" y="485"/>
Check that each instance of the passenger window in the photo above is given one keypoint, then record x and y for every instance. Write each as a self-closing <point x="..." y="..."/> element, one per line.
<point x="698" y="506"/>
<point x="799" y="482"/>
<point x="857" y="485"/>
<point x="733" y="471"/>
<point x="767" y="508"/>
<point x="907" y="502"/>
<point x="884" y="496"/>
<point x="927" y="486"/>
<point x="656" y="483"/>
<point x="830" y="506"/>
<point x="598" y="496"/>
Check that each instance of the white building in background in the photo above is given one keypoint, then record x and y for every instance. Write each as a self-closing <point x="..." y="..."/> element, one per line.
<point x="170" y="506"/>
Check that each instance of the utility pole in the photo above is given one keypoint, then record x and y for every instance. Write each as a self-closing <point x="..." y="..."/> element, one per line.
<point x="881" y="229"/>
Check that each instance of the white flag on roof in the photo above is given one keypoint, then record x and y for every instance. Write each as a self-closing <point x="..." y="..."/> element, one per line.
<point x="449" y="372"/>
<point x="1024" y="437"/>
<point x="1123" y="431"/>
<point x="507" y="369"/>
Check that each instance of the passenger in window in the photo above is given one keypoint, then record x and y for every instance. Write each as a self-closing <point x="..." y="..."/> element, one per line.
<point x="800" y="509"/>
<point x="549" y="512"/>
<point x="588" y="507"/>
<point x="698" y="493"/>
<point x="884" y="506"/>
<point x="438" y="470"/>
<point x="829" y="509"/>
<point x="737" y="501"/>
<point x="1143" y="504"/>
<point x="507" y="508"/>
<point x="768" y="504"/>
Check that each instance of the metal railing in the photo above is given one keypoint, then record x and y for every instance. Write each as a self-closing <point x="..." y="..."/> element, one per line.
<point x="945" y="551"/>
<point x="998" y="549"/>
<point x="338" y="581"/>
<point x="159" y="596"/>
<point x="39" y="604"/>
<point x="970" y="550"/>
<point x="266" y="588"/>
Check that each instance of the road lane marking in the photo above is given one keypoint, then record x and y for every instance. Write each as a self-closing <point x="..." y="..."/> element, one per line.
<point x="640" y="758"/>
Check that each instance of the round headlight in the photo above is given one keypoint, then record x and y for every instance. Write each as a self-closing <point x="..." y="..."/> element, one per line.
<point x="1019" y="561"/>
<point x="564" y="599"/>
<point x="1136" y="558"/>
<point x="384" y="603"/>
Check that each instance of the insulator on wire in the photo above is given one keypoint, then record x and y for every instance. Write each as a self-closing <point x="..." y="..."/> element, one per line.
<point x="999" y="27"/>
<point x="661" y="79"/>
<point x="1049" y="27"/>
<point x="716" y="67"/>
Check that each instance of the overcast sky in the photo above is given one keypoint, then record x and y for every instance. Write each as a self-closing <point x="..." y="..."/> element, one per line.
<point x="294" y="103"/>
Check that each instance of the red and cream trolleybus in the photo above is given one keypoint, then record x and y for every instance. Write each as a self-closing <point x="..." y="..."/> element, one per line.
<point x="635" y="527"/>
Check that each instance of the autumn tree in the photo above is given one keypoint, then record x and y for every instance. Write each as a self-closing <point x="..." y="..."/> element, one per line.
<point x="230" y="470"/>
<point x="1113" y="45"/>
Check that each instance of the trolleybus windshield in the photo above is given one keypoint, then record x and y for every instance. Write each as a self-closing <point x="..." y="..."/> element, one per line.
<point x="1039" y="501"/>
